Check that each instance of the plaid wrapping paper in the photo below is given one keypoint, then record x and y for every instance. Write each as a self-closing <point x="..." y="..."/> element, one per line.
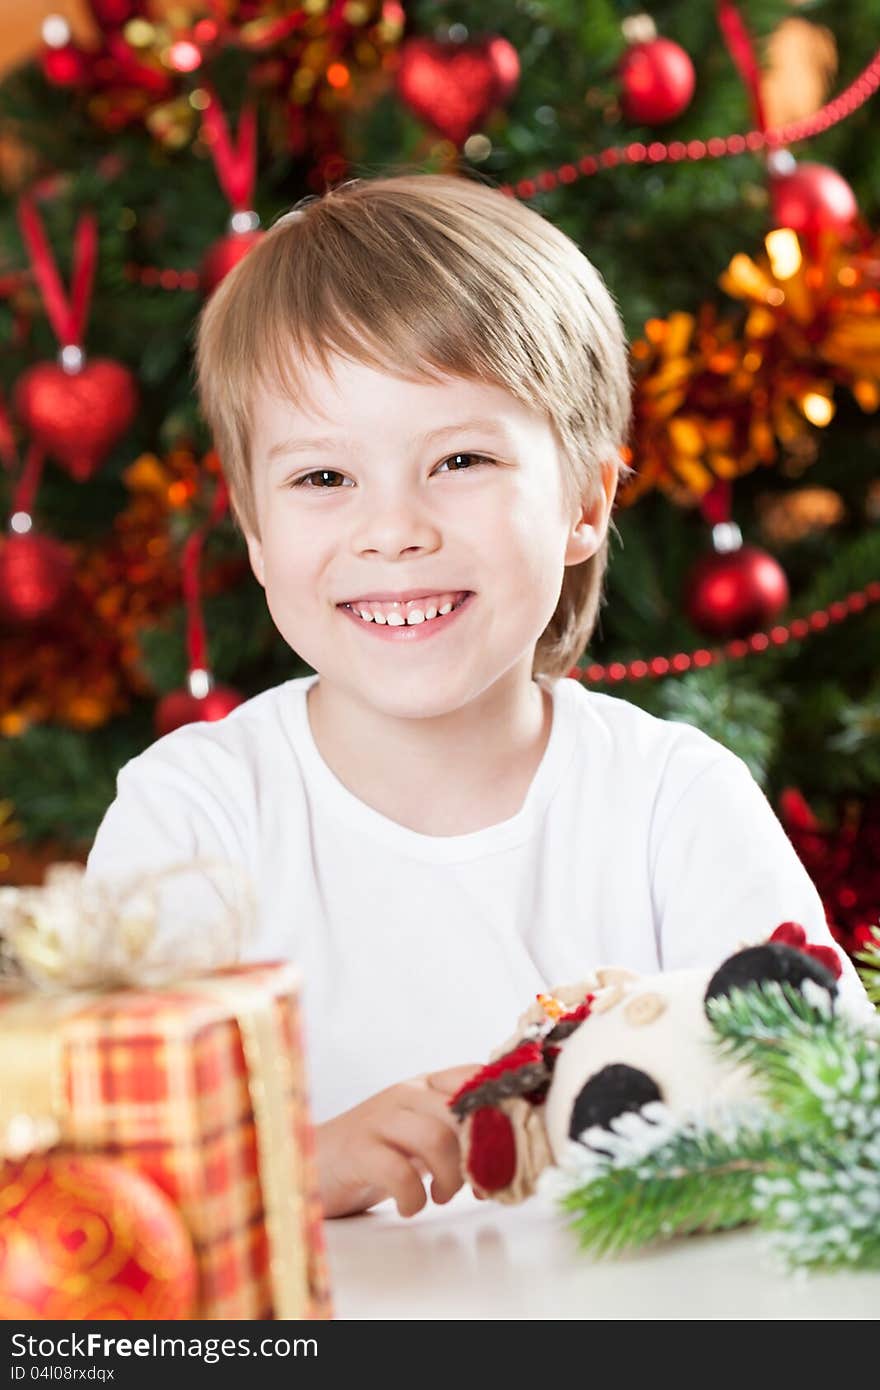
<point x="164" y="1080"/>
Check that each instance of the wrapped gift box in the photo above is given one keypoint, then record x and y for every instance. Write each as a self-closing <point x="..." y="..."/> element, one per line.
<point x="200" y="1087"/>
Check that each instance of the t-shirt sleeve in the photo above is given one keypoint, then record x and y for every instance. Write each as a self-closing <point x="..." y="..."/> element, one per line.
<point x="725" y="875"/>
<point x="166" y="815"/>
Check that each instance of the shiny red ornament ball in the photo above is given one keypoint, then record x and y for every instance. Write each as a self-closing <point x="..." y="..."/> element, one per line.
<point x="36" y="573"/>
<point x="88" y="1238"/>
<point x="813" y="199"/>
<point x="180" y="707"/>
<point x="657" y="82"/>
<point x="454" y="86"/>
<point x="112" y="14"/>
<point x="730" y="595"/>
<point x="64" y="67"/>
<point x="223" y="255"/>
<point x="77" y="417"/>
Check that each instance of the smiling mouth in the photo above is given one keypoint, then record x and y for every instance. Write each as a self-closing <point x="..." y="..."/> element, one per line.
<point x="395" y="621"/>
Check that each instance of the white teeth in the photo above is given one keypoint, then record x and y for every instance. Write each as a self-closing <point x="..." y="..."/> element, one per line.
<point x="405" y="618"/>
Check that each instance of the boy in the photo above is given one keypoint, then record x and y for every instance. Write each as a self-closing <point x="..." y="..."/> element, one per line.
<point x="419" y="391"/>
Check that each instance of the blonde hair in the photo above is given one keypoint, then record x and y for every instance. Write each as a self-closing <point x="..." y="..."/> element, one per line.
<point x="418" y="274"/>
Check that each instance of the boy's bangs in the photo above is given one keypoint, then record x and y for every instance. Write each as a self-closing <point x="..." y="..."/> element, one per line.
<point x="384" y="320"/>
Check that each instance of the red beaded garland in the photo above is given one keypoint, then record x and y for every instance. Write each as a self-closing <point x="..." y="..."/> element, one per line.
<point x="843" y="106"/>
<point x="735" y="650"/>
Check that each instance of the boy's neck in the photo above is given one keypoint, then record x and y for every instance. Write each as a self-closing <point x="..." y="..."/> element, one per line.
<point x="443" y="776"/>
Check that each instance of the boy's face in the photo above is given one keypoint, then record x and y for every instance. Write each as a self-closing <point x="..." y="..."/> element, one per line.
<point x="385" y="509"/>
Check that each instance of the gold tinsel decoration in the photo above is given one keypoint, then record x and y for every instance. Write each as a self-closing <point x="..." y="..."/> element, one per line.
<point x="717" y="395"/>
<point x="84" y="667"/>
<point x="793" y="516"/>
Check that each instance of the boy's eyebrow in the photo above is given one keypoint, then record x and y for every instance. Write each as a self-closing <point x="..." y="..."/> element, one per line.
<point x="318" y="442"/>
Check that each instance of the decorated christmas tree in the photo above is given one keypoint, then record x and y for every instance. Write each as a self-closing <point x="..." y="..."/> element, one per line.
<point x="714" y="161"/>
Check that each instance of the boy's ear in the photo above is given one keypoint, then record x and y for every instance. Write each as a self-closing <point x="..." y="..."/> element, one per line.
<point x="255" y="554"/>
<point x="591" y="526"/>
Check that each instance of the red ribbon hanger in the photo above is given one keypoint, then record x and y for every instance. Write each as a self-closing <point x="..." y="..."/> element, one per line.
<point x="196" y="643"/>
<point x="741" y="47"/>
<point x="68" y="316"/>
<point x="236" y="164"/>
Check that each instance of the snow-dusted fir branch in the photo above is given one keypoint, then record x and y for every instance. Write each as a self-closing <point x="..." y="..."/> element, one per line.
<point x="698" y="1176"/>
<point x="804" y="1163"/>
<point x="821" y="1070"/>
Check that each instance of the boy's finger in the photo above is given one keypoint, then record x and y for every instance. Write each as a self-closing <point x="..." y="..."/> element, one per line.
<point x="430" y="1145"/>
<point x="452" y="1079"/>
<point x="396" y="1175"/>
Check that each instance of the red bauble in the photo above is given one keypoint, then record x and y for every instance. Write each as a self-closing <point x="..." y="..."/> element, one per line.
<point x="223" y="255"/>
<point x="64" y="67"/>
<point x="181" y="707"/>
<point x="36" y="573"/>
<point x="454" y="86"/>
<point x="86" y="1238"/>
<point x="112" y="14"/>
<point x="729" y="595"/>
<point x="813" y="199"/>
<point x="657" y="82"/>
<point x="77" y="417"/>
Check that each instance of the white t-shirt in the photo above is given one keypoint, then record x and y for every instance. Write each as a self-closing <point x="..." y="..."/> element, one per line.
<point x="641" y="842"/>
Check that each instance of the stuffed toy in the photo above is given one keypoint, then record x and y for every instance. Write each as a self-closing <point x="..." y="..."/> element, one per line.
<point x="587" y="1054"/>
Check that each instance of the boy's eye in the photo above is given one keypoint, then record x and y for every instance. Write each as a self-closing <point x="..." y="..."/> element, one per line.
<point x="329" y="473"/>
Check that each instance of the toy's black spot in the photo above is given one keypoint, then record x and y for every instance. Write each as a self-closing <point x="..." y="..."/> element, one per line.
<point x="611" y="1092"/>
<point x="772" y="961"/>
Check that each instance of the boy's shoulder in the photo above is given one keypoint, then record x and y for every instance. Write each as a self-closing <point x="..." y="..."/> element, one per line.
<point x="256" y="730"/>
<point x="629" y="739"/>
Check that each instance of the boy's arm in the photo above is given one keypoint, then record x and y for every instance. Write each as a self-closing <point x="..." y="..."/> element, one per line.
<point x="164" y="815"/>
<point x="725" y="874"/>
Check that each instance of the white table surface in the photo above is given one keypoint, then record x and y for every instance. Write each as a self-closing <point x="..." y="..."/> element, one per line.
<point x="482" y="1260"/>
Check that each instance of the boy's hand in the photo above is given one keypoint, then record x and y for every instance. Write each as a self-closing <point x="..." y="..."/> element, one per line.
<point x="382" y="1147"/>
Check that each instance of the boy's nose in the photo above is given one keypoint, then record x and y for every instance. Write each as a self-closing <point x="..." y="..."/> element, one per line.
<point x="395" y="527"/>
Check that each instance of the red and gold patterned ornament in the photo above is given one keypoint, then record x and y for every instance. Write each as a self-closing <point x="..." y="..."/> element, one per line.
<point x="74" y="409"/>
<point x="656" y="75"/>
<point x="85" y="1238"/>
<point x="453" y="85"/>
<point x="735" y="589"/>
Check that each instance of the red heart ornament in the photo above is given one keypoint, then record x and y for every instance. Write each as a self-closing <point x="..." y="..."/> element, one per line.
<point x="77" y="416"/>
<point x="453" y="86"/>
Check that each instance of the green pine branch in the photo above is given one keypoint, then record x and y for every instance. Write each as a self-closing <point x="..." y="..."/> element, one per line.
<point x="698" y="1180"/>
<point x="869" y="967"/>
